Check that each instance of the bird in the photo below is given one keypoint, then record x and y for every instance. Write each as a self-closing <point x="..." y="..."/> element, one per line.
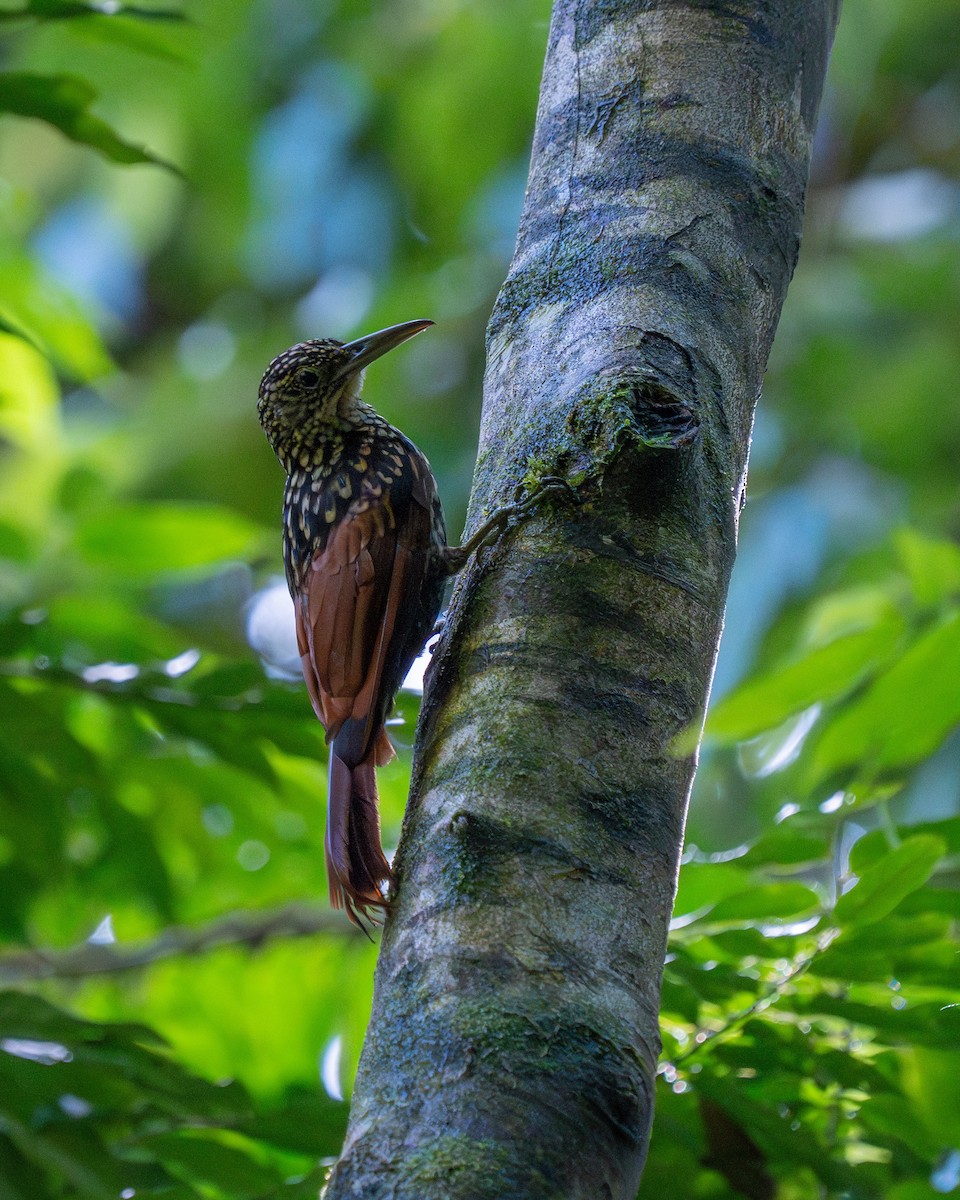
<point x="366" y="560"/>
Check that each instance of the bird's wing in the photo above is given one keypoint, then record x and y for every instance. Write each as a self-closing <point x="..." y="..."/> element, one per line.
<point x="352" y="616"/>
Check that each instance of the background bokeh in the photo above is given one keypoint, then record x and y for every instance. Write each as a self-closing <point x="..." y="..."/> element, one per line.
<point x="337" y="167"/>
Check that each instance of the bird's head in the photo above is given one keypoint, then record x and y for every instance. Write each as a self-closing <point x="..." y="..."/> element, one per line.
<point x="312" y="390"/>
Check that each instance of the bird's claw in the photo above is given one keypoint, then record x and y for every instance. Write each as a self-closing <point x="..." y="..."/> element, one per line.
<point x="546" y="485"/>
<point x="526" y="501"/>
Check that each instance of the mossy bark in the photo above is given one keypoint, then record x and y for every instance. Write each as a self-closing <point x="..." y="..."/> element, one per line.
<point x="513" y="1046"/>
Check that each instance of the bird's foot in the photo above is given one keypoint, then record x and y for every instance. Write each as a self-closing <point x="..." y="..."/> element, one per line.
<point x="499" y="521"/>
<point x="527" y="501"/>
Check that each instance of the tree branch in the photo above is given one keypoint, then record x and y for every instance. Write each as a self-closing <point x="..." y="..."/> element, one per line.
<point x="251" y="929"/>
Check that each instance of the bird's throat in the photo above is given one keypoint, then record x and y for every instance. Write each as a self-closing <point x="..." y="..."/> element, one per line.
<point x="320" y="444"/>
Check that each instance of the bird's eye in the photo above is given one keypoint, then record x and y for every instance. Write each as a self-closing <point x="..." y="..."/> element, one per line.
<point x="308" y="378"/>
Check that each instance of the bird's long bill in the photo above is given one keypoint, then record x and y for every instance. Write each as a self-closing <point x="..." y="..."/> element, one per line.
<point x="365" y="349"/>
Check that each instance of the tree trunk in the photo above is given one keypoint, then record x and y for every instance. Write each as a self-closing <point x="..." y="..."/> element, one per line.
<point x="513" y="1046"/>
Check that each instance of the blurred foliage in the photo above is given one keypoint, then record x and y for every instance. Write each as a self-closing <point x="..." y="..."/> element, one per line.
<point x="339" y="165"/>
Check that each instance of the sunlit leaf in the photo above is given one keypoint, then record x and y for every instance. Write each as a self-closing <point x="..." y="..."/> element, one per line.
<point x="141" y="540"/>
<point x="850" y="610"/>
<point x="28" y="396"/>
<point x="12" y="327"/>
<point x="14" y="545"/>
<point x="905" y="713"/>
<point x="932" y="1082"/>
<point x="788" y="844"/>
<point x="769" y="901"/>
<point x="104" y="627"/>
<point x="151" y="37"/>
<point x="891" y="1116"/>
<point x="883" y="885"/>
<point x="35" y="308"/>
<point x="208" y="1159"/>
<point x="64" y="101"/>
<point x="749" y="941"/>
<point x="933" y="566"/>
<point x="705" y="884"/>
<point x="822" y="675"/>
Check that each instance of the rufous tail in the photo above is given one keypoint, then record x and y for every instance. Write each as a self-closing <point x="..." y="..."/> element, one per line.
<point x="357" y="870"/>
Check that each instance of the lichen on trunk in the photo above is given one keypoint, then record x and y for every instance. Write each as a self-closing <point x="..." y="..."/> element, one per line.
<point x="513" y="1045"/>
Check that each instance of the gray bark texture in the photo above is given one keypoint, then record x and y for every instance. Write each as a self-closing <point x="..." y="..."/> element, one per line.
<point x="513" y="1046"/>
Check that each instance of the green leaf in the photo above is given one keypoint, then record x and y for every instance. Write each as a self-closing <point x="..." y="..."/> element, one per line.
<point x="116" y="1064"/>
<point x="862" y="966"/>
<point x="903" y="936"/>
<point x="12" y="327"/>
<point x="25" y="1016"/>
<point x="677" y="998"/>
<point x="705" y="884"/>
<point x="914" y="1189"/>
<point x="788" y="845"/>
<point x="307" y="1121"/>
<point x="904" y="714"/>
<point x="734" y="945"/>
<point x="851" y="610"/>
<point x="731" y="894"/>
<point x="931" y="1080"/>
<point x="19" y="1178"/>
<point x="141" y="540"/>
<point x="881" y="888"/>
<point x="773" y="1132"/>
<point x="42" y="313"/>
<point x="949" y="830"/>
<point x="60" y="10"/>
<point x="140" y="863"/>
<point x="220" y="737"/>
<point x="867" y="851"/>
<point x="822" y="675"/>
<point x="208" y="1159"/>
<point x="716" y="983"/>
<point x="78" y="1154"/>
<point x="97" y="627"/>
<point x="769" y="901"/>
<point x="28" y="398"/>
<point x="64" y="101"/>
<point x="161" y="41"/>
<point x="892" y="1116"/>
<point x="15" y="546"/>
<point x="853" y="1072"/>
<point x="933" y="566"/>
<point x="934" y="900"/>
